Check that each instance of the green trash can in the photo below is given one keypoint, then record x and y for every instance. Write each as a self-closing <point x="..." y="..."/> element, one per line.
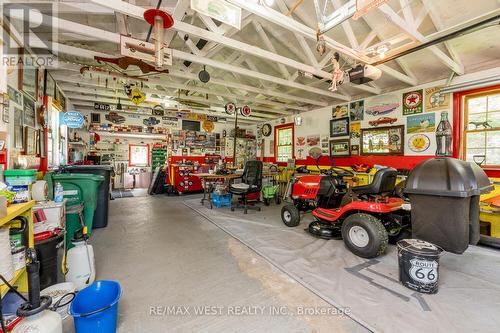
<point x="78" y="188"/>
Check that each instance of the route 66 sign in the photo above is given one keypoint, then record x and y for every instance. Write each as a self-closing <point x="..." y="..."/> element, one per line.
<point x="424" y="271"/>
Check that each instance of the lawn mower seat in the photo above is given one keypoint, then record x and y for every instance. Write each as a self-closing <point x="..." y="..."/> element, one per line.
<point x="383" y="182"/>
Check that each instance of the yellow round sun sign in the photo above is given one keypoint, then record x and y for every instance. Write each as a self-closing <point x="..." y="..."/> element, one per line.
<point x="208" y="126"/>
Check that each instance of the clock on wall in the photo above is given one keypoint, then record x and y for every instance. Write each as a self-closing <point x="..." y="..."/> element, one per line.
<point x="266" y="129"/>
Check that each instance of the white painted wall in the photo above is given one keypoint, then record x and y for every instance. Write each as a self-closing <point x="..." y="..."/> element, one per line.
<point x="318" y="121"/>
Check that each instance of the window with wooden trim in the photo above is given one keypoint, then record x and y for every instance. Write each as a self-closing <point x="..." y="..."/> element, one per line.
<point x="482" y="128"/>
<point x="284" y="143"/>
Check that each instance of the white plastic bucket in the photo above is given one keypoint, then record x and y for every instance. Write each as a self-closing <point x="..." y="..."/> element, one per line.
<point x="56" y="292"/>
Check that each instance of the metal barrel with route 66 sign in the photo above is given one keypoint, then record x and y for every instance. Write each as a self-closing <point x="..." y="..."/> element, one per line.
<point x="419" y="265"/>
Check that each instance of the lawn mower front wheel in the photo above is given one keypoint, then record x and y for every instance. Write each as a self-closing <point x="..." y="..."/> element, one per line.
<point x="290" y="216"/>
<point x="364" y="235"/>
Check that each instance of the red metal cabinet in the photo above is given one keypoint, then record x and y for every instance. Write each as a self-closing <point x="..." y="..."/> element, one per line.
<point x="185" y="180"/>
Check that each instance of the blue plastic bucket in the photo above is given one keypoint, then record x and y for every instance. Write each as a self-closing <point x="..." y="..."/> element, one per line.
<point x="95" y="308"/>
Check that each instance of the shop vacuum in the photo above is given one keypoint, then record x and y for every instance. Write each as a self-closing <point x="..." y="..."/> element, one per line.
<point x="36" y="313"/>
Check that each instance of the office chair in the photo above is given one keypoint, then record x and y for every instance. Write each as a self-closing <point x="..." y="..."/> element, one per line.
<point x="251" y="183"/>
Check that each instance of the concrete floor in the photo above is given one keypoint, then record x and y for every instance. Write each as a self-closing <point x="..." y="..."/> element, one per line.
<point x="180" y="273"/>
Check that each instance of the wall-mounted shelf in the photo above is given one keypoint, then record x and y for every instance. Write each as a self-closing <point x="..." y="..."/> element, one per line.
<point x="133" y="135"/>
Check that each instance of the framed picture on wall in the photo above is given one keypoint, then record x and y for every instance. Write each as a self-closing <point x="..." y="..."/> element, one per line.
<point x="50" y="86"/>
<point x="18" y="137"/>
<point x="15" y="95"/>
<point x="29" y="80"/>
<point x="41" y="143"/>
<point x="30" y="143"/>
<point x="382" y="141"/>
<point x="354" y="150"/>
<point x="18" y="128"/>
<point x="62" y="100"/>
<point x="57" y="99"/>
<point x="340" y="148"/>
<point x="339" y="127"/>
<point x="95" y="118"/>
<point x="4" y="107"/>
<point x="29" y="117"/>
<point x="39" y="84"/>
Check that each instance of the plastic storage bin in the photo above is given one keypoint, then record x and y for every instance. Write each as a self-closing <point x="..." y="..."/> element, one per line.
<point x="221" y="200"/>
<point x="444" y="195"/>
<point x="20" y="181"/>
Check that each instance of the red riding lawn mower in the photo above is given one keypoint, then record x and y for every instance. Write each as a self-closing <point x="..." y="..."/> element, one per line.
<point x="365" y="217"/>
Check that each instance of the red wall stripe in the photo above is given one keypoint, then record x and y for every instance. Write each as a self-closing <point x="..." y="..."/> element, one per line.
<point x="408" y="162"/>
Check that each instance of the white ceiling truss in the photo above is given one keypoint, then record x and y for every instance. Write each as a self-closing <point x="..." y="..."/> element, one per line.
<point x="271" y="63"/>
